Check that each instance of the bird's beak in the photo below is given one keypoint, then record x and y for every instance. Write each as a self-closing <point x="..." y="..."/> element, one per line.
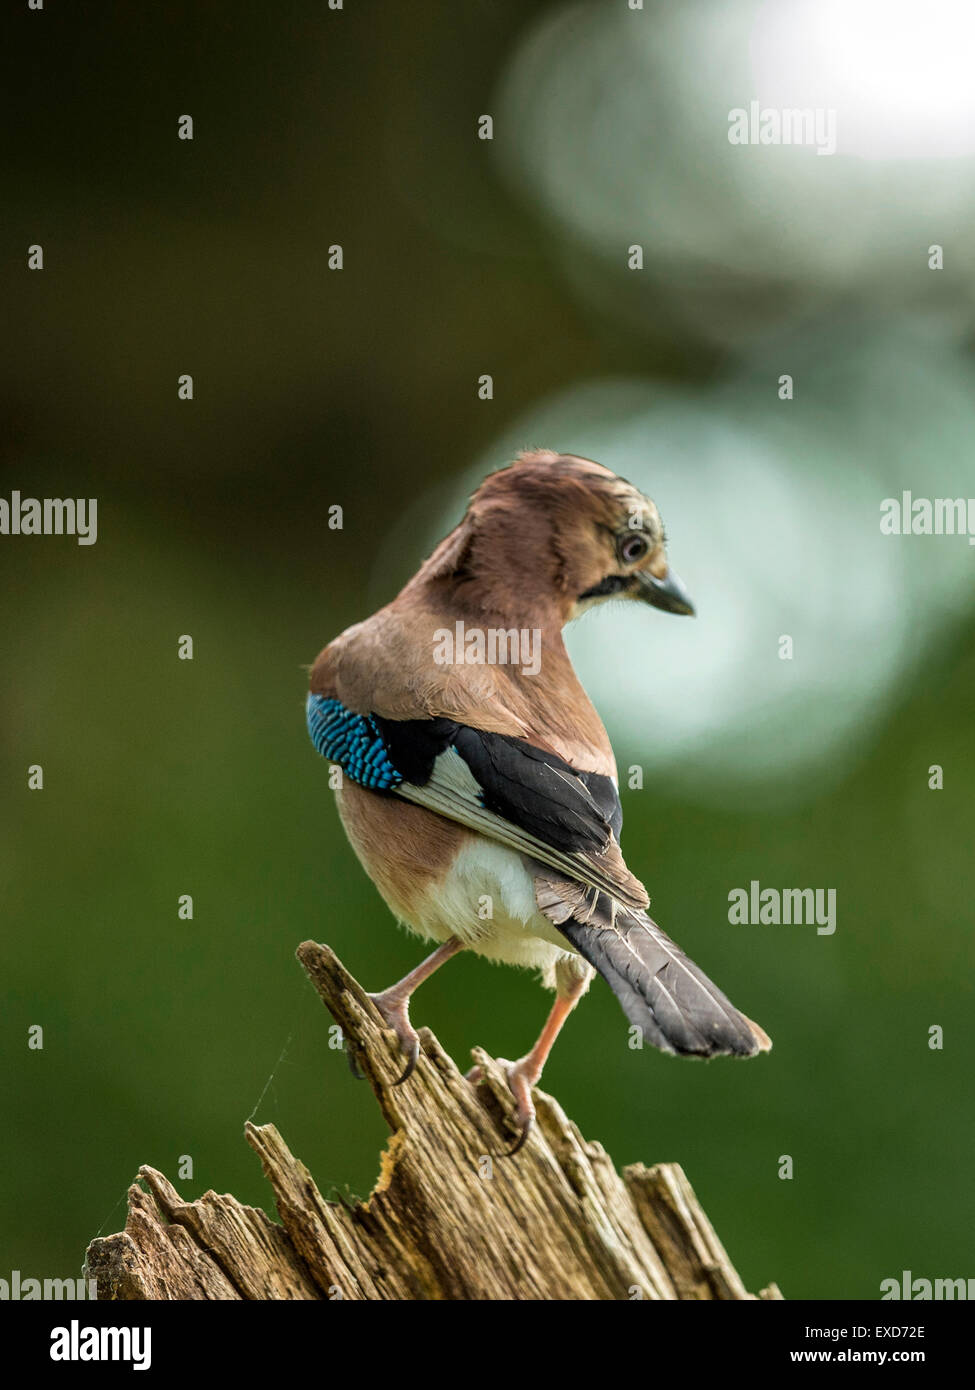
<point x="667" y="593"/>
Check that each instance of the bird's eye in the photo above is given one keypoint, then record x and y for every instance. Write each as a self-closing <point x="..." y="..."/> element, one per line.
<point x="632" y="548"/>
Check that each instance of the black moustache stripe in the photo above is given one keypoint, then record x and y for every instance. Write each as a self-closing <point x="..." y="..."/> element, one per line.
<point x="612" y="584"/>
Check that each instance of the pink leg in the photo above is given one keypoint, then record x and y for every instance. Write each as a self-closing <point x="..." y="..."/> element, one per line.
<point x="394" y="1003"/>
<point x="527" y="1071"/>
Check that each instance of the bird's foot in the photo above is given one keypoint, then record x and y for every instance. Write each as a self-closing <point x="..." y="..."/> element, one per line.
<point x="521" y="1077"/>
<point x="395" y="1009"/>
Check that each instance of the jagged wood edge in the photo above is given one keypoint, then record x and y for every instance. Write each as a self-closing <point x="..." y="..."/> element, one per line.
<point x="450" y="1216"/>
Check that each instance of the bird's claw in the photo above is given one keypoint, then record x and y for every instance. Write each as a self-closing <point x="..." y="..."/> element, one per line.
<point x="520" y="1081"/>
<point x="395" y="1010"/>
<point x="526" y="1123"/>
<point x="353" y="1065"/>
<point x="412" y="1049"/>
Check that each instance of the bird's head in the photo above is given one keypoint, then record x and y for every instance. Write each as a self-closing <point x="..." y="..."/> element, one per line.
<point x="555" y="529"/>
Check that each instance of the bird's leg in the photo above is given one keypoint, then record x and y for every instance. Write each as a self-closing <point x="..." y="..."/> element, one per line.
<point x="522" y="1075"/>
<point x="394" y="1003"/>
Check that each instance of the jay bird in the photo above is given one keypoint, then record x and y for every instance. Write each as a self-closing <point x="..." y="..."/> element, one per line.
<point x="467" y="783"/>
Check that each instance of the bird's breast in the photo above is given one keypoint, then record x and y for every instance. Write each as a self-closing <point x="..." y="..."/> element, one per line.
<point x="405" y="849"/>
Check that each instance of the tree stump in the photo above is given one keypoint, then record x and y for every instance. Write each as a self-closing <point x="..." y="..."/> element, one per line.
<point x="451" y="1216"/>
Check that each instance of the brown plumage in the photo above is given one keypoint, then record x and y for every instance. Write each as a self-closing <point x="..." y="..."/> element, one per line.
<point x="508" y="789"/>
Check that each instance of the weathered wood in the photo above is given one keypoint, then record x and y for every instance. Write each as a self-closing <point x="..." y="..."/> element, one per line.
<point x="451" y="1216"/>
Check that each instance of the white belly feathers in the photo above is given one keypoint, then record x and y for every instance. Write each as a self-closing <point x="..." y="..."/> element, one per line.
<point x="488" y="900"/>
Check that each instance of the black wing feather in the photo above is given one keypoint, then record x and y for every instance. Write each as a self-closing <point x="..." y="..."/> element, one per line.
<point x="607" y="798"/>
<point x="535" y="790"/>
<point x="414" y="745"/>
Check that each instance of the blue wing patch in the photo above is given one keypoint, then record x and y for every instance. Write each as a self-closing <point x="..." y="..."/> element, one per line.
<point x="351" y="740"/>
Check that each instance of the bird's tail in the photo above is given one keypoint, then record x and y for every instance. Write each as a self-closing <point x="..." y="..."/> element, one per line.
<point x="660" y="989"/>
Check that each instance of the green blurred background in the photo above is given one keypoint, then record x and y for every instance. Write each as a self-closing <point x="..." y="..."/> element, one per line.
<point x="359" y="388"/>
